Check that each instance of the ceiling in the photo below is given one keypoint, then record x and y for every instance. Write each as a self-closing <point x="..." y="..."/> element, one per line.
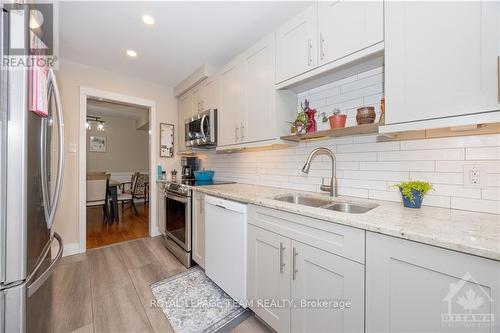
<point x="105" y="108"/>
<point x="185" y="35"/>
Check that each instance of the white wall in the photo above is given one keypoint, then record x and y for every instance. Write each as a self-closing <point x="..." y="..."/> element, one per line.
<point x="127" y="149"/>
<point x="71" y="76"/>
<point x="367" y="167"/>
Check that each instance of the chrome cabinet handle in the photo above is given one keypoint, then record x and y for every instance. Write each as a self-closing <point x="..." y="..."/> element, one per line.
<point x="309" y="48"/>
<point x="321" y="47"/>
<point x="294" y="268"/>
<point x="242" y="132"/>
<point x="282" y="248"/>
<point x="202" y="202"/>
<point x="236" y="132"/>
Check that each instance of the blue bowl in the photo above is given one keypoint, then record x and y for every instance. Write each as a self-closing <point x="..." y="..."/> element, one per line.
<point x="204" y="175"/>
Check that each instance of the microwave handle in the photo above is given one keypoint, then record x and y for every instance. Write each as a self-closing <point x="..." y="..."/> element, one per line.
<point x="201" y="126"/>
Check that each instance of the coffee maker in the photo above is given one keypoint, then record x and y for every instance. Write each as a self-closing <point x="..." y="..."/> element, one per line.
<point x="189" y="166"/>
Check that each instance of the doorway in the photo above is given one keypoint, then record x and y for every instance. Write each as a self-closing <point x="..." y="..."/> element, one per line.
<point x="117" y="163"/>
<point x="117" y="172"/>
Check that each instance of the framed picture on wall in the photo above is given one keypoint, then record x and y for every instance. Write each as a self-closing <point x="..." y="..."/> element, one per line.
<point x="166" y="140"/>
<point x="97" y="144"/>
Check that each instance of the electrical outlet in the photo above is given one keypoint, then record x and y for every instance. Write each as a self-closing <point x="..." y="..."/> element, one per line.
<point x="474" y="175"/>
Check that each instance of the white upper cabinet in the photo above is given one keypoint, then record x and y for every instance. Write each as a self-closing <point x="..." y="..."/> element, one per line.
<point x="297" y="45"/>
<point x="184" y="108"/>
<point x="346" y="27"/>
<point x="441" y="59"/>
<point x="230" y="113"/>
<point x="259" y="92"/>
<point x="212" y="90"/>
<point x="198" y="93"/>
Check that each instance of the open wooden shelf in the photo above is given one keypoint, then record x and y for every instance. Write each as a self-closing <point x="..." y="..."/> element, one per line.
<point x="353" y="130"/>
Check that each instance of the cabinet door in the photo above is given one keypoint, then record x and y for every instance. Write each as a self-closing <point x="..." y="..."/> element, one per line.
<point x="259" y="121"/>
<point x="184" y="105"/>
<point x="297" y="45"/>
<point x="441" y="60"/>
<point x="320" y="275"/>
<point x="199" y="228"/>
<point x="212" y="93"/>
<point x="346" y="27"/>
<point x="198" y="93"/>
<point x="419" y="288"/>
<point x="161" y="209"/>
<point x="231" y="104"/>
<point x="269" y="276"/>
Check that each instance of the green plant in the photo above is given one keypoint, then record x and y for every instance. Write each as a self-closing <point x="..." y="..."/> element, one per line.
<point x="417" y="185"/>
<point x="301" y="119"/>
<point x="336" y="112"/>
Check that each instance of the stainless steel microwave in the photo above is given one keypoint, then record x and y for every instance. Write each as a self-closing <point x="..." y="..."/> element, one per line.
<point x="201" y="129"/>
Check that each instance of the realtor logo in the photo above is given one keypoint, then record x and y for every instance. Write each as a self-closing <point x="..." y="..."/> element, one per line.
<point x="469" y="305"/>
<point x="29" y="35"/>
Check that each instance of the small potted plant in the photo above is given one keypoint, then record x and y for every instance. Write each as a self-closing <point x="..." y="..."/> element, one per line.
<point x="337" y="120"/>
<point x="299" y="125"/>
<point x="413" y="191"/>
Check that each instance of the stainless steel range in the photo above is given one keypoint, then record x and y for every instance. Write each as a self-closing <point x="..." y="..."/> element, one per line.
<point x="178" y="207"/>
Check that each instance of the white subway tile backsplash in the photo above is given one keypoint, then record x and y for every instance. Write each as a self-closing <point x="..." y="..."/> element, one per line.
<point x="367" y="167"/>
<point x="491" y="193"/>
<point x="475" y="205"/>
<point x="367" y="147"/>
<point x="422" y="155"/>
<point x="452" y="142"/>
<point x="377" y="175"/>
<point x="483" y="153"/>
<point x="455" y="178"/>
<point x="398" y="166"/>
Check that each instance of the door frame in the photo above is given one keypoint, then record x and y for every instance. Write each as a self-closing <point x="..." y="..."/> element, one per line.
<point x="85" y="93"/>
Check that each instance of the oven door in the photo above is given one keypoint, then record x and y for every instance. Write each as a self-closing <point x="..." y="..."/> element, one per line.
<point x="178" y="219"/>
<point x="200" y="130"/>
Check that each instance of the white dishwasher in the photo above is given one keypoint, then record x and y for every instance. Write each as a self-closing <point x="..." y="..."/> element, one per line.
<point x="226" y="246"/>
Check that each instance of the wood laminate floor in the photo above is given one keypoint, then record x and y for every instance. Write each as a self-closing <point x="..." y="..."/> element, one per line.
<point x="107" y="290"/>
<point x="130" y="226"/>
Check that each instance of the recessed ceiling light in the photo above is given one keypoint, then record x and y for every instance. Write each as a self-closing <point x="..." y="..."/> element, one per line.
<point x="149" y="20"/>
<point x="131" y="53"/>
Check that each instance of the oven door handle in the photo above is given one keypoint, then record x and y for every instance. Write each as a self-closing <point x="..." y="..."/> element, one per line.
<point x="177" y="197"/>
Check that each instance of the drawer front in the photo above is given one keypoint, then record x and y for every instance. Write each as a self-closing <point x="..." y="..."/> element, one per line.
<point x="338" y="239"/>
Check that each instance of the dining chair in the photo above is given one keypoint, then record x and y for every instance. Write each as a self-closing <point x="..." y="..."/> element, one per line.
<point x="127" y="195"/>
<point x="96" y="195"/>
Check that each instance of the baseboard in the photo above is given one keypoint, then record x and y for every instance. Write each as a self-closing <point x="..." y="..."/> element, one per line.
<point x="69" y="249"/>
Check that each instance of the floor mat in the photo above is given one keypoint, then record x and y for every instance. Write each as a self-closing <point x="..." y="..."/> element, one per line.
<point x="195" y="304"/>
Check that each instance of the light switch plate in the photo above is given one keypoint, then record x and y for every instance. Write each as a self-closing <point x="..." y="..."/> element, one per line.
<point x="72" y="147"/>
<point x="475" y="176"/>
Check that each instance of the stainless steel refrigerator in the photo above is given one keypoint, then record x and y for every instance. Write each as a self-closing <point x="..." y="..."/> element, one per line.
<point x="31" y="166"/>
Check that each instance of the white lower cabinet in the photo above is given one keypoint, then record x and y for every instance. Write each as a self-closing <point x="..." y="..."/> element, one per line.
<point x="269" y="275"/>
<point x="323" y="276"/>
<point x="327" y="289"/>
<point x="161" y="218"/>
<point x="413" y="287"/>
<point x="198" y="215"/>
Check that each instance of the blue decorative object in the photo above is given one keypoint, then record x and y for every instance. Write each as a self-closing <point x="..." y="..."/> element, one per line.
<point x="159" y="171"/>
<point x="417" y="200"/>
<point x="204" y="175"/>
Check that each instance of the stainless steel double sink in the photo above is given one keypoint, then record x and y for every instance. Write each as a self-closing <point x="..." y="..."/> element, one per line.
<point x="329" y="204"/>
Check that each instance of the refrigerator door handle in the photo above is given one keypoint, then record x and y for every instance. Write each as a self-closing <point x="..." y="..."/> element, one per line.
<point x="54" y="200"/>
<point x="33" y="287"/>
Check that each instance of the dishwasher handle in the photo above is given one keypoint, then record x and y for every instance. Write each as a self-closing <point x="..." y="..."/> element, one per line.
<point x="226" y="204"/>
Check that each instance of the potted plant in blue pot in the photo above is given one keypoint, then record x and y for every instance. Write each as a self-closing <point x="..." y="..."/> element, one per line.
<point x="413" y="192"/>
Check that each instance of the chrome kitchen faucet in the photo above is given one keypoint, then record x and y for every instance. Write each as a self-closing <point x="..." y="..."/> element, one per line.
<point x="333" y="182"/>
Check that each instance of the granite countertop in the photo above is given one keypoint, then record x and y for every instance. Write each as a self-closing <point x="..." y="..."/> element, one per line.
<point x="464" y="231"/>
